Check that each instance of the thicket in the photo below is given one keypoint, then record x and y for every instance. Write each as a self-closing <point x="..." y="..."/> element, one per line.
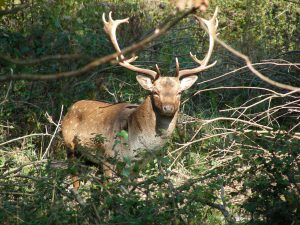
<point x="234" y="158"/>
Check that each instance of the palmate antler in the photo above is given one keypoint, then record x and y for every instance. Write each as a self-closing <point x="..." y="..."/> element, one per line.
<point x="110" y="28"/>
<point x="211" y="25"/>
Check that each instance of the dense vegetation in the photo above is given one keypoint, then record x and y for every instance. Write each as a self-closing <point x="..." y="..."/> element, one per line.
<point x="233" y="160"/>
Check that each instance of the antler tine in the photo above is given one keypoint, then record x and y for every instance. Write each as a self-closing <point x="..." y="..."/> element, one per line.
<point x="194" y="57"/>
<point x="210" y="26"/>
<point x="177" y="67"/>
<point x="132" y="59"/>
<point x="158" y="70"/>
<point x="110" y="28"/>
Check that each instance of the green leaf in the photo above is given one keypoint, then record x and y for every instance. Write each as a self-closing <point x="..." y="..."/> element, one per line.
<point x="123" y="134"/>
<point x="2" y="161"/>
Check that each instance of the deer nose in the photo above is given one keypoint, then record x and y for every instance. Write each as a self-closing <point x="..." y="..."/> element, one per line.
<point x="168" y="109"/>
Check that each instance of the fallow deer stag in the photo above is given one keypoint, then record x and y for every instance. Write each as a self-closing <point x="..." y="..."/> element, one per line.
<point x="149" y="125"/>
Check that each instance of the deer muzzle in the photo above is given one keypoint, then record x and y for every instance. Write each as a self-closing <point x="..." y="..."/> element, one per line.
<point x="168" y="109"/>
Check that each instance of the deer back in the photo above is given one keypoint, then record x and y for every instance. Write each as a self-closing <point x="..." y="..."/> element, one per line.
<point x="94" y="125"/>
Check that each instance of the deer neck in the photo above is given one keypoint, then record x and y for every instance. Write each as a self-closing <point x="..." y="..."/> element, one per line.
<point x="148" y="129"/>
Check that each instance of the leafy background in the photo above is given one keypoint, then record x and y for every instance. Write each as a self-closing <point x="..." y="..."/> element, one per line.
<point x="231" y="173"/>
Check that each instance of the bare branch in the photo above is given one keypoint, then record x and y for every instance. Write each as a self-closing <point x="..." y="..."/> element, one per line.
<point x="14" y="10"/>
<point x="256" y="72"/>
<point x="23" y="137"/>
<point x="15" y="170"/>
<point x="42" y="59"/>
<point x="244" y="67"/>
<point x="95" y="63"/>
<point x="55" y="132"/>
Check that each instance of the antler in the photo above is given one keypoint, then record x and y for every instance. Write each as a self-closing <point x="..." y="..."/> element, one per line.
<point x="110" y="28"/>
<point x="211" y="26"/>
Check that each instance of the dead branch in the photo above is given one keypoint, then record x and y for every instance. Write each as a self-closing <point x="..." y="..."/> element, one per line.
<point x="42" y="59"/>
<point x="97" y="62"/>
<point x="23" y="137"/>
<point x="14" y="10"/>
<point x="253" y="64"/>
<point x="253" y="70"/>
<point x="15" y="170"/>
<point x="55" y="132"/>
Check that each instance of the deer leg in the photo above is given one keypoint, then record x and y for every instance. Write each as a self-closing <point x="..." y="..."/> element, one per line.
<point x="108" y="170"/>
<point x="74" y="176"/>
<point x="76" y="182"/>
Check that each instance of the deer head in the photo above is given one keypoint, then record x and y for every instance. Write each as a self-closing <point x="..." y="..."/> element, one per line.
<point x="165" y="90"/>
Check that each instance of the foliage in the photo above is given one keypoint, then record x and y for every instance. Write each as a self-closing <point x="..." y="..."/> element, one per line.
<point x="239" y="161"/>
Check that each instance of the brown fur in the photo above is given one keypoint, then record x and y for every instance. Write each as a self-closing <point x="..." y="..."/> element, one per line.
<point x="149" y="125"/>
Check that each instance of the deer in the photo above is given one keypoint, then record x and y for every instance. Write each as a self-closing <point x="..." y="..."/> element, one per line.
<point x="149" y="125"/>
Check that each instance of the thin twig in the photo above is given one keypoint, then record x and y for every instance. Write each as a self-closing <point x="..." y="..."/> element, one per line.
<point x="23" y="137"/>
<point x="55" y="132"/>
<point x="7" y="92"/>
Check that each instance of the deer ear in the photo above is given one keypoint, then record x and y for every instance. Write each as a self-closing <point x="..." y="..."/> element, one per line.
<point x="145" y="82"/>
<point x="187" y="82"/>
